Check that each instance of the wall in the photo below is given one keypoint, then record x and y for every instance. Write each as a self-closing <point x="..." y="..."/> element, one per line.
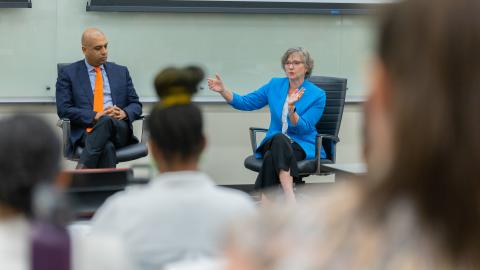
<point x="244" y="48"/>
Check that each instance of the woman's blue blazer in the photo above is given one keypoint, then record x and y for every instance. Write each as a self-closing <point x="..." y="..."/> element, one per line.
<point x="310" y="109"/>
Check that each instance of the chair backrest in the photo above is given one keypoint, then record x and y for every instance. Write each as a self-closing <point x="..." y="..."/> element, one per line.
<point x="335" y="89"/>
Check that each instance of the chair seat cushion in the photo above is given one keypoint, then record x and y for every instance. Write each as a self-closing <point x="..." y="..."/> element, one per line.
<point x="304" y="166"/>
<point x="131" y="152"/>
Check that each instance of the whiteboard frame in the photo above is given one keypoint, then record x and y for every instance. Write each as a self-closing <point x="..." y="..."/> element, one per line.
<point x="19" y="4"/>
<point x="253" y="7"/>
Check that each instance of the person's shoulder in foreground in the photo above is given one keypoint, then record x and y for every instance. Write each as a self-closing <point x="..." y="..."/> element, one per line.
<point x="169" y="189"/>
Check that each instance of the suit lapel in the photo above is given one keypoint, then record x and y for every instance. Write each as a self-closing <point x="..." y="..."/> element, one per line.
<point x="85" y="82"/>
<point x="286" y="86"/>
<point x="305" y="96"/>
<point x="111" y="81"/>
<point x="308" y="96"/>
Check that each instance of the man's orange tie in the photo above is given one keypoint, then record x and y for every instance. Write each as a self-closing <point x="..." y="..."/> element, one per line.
<point x="97" y="93"/>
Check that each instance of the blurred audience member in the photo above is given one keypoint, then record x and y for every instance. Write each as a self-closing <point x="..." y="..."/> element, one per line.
<point x="29" y="158"/>
<point x="180" y="215"/>
<point x="419" y="206"/>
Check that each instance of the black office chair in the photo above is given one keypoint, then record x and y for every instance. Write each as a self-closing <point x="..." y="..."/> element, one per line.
<point x="327" y="129"/>
<point x="126" y="153"/>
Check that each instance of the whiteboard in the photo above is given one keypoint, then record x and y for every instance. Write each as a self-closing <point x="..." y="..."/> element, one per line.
<point x="244" y="48"/>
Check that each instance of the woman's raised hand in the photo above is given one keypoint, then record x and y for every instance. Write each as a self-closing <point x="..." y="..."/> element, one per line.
<point x="295" y="96"/>
<point x="216" y="84"/>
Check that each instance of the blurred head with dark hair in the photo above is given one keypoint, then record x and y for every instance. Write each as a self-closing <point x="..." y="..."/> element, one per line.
<point x="175" y="124"/>
<point x="29" y="155"/>
<point x="423" y="118"/>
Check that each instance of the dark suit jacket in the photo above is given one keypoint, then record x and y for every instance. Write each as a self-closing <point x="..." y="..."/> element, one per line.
<point x="74" y="96"/>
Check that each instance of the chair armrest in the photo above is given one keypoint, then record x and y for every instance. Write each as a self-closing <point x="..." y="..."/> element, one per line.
<point x="328" y="136"/>
<point x="319" y="140"/>
<point x="253" y="136"/>
<point x="144" y="134"/>
<point x="64" y="124"/>
<point x="318" y="147"/>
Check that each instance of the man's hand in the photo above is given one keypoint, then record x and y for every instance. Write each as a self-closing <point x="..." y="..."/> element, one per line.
<point x="98" y="115"/>
<point x="116" y="112"/>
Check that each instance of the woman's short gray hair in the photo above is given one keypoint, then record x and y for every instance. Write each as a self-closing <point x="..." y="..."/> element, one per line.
<point x="306" y="58"/>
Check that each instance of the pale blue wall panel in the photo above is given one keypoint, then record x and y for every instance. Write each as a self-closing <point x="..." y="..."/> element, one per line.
<point x="244" y="48"/>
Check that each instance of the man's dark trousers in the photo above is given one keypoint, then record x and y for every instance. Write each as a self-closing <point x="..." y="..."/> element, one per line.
<point x="107" y="135"/>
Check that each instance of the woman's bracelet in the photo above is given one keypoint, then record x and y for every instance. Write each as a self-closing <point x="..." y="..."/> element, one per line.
<point x="292" y="110"/>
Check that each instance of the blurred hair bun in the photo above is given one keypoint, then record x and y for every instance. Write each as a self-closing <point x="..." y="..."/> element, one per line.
<point x="175" y="86"/>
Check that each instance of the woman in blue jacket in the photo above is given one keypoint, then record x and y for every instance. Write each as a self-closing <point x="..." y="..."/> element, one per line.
<point x="296" y="105"/>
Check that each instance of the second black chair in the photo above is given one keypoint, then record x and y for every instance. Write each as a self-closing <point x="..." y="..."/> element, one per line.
<point x="327" y="128"/>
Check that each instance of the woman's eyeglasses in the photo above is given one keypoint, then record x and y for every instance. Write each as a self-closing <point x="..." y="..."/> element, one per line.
<point x="294" y="63"/>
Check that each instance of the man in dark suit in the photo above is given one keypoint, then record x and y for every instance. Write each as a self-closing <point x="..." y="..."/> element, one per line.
<point x="99" y="99"/>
